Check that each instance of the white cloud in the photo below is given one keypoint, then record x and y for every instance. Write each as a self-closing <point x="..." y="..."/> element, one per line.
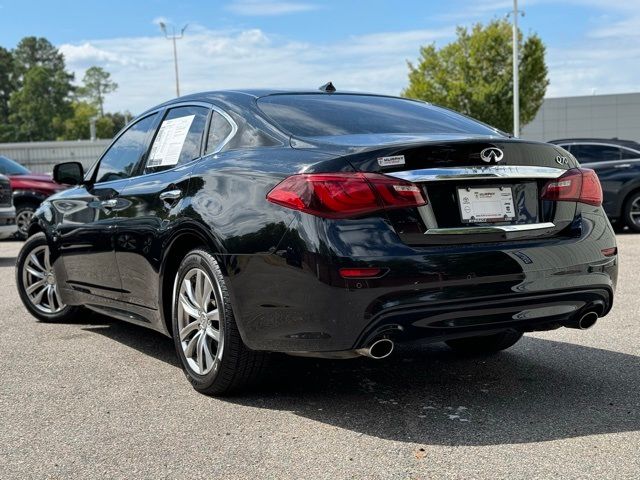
<point x="213" y="60"/>
<point x="227" y="59"/>
<point x="268" y="7"/>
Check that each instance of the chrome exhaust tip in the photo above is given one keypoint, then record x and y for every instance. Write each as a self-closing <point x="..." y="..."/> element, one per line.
<point x="378" y="350"/>
<point x="588" y="320"/>
<point x="584" y="321"/>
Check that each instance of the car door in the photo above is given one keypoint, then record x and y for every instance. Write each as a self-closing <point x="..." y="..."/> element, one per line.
<point x="89" y="214"/>
<point x="154" y="200"/>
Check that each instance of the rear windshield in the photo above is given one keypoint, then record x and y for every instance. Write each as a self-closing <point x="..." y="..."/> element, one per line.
<point x="319" y="115"/>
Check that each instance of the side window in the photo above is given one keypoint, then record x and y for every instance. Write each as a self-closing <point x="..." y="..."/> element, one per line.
<point x="629" y="154"/>
<point x="178" y="139"/>
<point x="595" y="153"/>
<point x="219" y="130"/>
<point x="122" y="158"/>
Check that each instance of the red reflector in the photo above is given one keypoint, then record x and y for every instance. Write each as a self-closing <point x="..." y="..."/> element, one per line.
<point x="609" y="252"/>
<point x="576" y="185"/>
<point x="360" y="272"/>
<point x="343" y="195"/>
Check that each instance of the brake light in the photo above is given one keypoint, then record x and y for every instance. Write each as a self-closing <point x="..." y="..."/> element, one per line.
<point x="343" y="195"/>
<point x="576" y="185"/>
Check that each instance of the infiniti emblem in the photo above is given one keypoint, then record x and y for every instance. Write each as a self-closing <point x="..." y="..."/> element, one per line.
<point x="491" y="154"/>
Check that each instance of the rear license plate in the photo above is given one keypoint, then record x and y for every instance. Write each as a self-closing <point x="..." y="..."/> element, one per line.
<point x="483" y="205"/>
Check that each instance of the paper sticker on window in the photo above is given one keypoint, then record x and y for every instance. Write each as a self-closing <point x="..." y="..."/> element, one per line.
<point x="169" y="142"/>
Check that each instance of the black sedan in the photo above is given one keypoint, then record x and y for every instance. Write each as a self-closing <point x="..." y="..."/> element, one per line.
<point x="617" y="163"/>
<point x="320" y="224"/>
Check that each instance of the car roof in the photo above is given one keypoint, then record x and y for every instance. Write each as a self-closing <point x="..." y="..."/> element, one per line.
<point x="243" y="97"/>
<point x="608" y="141"/>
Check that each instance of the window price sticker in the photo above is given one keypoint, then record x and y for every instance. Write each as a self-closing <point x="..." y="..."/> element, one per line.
<point x="169" y="142"/>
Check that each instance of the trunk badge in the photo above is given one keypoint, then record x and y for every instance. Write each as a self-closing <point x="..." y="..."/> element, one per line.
<point x="491" y="154"/>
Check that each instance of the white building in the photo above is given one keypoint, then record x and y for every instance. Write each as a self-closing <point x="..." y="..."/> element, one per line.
<point x="601" y="116"/>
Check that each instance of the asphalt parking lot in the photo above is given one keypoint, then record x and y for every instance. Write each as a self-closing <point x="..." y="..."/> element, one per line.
<point x="103" y="399"/>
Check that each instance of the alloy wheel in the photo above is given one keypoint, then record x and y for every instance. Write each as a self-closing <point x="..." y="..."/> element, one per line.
<point x="40" y="283"/>
<point x="199" y="323"/>
<point x="634" y="211"/>
<point x="23" y="220"/>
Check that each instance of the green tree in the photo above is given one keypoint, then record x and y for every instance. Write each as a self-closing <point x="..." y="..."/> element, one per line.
<point x="119" y="120"/>
<point x="40" y="104"/>
<point x="7" y="86"/>
<point x="78" y="126"/>
<point x="96" y="84"/>
<point x="474" y="75"/>
<point x="38" y="109"/>
<point x="39" y="52"/>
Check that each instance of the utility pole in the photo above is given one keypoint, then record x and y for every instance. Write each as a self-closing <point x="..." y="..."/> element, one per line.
<point x="173" y="37"/>
<point x="516" y="73"/>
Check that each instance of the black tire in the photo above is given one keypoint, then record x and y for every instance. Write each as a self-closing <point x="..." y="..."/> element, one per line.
<point x="23" y="212"/>
<point x="485" y="344"/>
<point x="67" y="313"/>
<point x="633" y="200"/>
<point x="237" y="366"/>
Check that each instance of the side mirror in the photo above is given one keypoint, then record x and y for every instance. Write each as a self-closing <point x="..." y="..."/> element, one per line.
<point x="68" y="173"/>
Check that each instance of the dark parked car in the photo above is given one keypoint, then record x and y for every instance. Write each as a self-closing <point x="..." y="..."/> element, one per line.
<point x="617" y="163"/>
<point x="7" y="211"/>
<point x="29" y="190"/>
<point x="320" y="224"/>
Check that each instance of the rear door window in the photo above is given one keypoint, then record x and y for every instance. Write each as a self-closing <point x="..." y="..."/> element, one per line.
<point x="179" y="138"/>
<point x="629" y="154"/>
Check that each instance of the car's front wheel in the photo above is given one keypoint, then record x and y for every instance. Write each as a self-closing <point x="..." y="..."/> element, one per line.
<point x="485" y="344"/>
<point x="37" y="283"/>
<point x="207" y="340"/>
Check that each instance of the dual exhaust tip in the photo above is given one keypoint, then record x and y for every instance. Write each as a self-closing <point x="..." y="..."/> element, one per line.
<point x="383" y="347"/>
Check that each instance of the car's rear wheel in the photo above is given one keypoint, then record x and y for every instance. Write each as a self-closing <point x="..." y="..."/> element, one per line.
<point x="485" y="344"/>
<point x="632" y="212"/>
<point x="206" y="338"/>
<point x="24" y="214"/>
<point x="37" y="283"/>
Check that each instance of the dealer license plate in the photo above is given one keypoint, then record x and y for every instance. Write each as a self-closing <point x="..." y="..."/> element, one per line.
<point x="483" y="205"/>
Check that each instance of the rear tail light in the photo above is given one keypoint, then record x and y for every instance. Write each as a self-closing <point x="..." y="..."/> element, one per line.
<point x="343" y="195"/>
<point x="576" y="185"/>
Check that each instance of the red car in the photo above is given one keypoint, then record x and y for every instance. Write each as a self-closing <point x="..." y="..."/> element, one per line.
<point x="29" y="190"/>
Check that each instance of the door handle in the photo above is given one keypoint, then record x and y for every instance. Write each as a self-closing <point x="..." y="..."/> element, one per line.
<point x="170" y="197"/>
<point x="624" y="165"/>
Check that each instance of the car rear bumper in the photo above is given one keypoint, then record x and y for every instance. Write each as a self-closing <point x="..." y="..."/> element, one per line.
<point x="434" y="294"/>
<point x="7" y="222"/>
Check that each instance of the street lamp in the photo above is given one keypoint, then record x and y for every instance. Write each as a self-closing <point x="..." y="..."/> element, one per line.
<point x="516" y="72"/>
<point x="174" y="37"/>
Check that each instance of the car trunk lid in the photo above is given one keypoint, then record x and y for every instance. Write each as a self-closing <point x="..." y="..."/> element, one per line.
<point x="479" y="189"/>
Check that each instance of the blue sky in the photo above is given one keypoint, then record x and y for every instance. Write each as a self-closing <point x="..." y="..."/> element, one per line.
<point x="593" y="45"/>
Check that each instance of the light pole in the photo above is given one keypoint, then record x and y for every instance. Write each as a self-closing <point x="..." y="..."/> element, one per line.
<point x="174" y="37"/>
<point x="516" y="73"/>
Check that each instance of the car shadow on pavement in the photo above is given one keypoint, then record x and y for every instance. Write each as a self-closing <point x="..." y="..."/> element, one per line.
<point x="540" y="390"/>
